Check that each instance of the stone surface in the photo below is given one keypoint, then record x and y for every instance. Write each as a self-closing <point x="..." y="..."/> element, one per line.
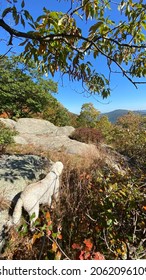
<point x="47" y="136"/>
<point x="8" y="122"/>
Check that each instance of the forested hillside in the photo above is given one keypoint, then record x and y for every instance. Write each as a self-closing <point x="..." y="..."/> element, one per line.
<point x="24" y="93"/>
<point x="114" y="115"/>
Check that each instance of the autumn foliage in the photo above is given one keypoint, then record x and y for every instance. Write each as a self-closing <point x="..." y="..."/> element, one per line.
<point x="101" y="215"/>
<point x="85" y="252"/>
<point x="87" y="135"/>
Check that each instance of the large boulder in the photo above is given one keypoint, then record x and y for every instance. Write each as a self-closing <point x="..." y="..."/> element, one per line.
<point x="47" y="136"/>
<point x="16" y="171"/>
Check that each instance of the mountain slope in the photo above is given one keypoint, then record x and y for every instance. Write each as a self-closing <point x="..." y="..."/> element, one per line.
<point x="114" y="115"/>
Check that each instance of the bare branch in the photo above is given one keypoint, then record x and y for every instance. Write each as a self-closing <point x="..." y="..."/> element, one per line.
<point x="80" y="7"/>
<point x="143" y="46"/>
<point x="93" y="220"/>
<point x="2" y="56"/>
<point x="140" y="83"/>
<point x="106" y="242"/>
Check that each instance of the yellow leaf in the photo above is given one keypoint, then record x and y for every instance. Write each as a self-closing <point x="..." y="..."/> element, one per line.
<point x="58" y="255"/>
<point x="47" y="216"/>
<point x="54" y="247"/>
<point x="119" y="251"/>
<point x="36" y="236"/>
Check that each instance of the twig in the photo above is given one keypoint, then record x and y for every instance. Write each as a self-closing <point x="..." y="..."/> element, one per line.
<point x="78" y="8"/>
<point x="105" y="239"/>
<point x="54" y="240"/>
<point x="121" y="68"/>
<point x="143" y="46"/>
<point x="135" y="224"/>
<point x="1" y="56"/>
<point x="91" y="218"/>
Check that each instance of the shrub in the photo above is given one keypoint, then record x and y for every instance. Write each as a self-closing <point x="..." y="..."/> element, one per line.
<point x="87" y="135"/>
<point x="6" y="137"/>
<point x="131" y="144"/>
<point x="43" y="243"/>
<point x="106" y="208"/>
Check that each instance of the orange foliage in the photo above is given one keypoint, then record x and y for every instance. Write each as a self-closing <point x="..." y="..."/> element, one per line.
<point x="85" y="252"/>
<point x="4" y="115"/>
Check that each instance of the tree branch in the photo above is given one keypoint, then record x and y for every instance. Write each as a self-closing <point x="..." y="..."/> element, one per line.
<point x="64" y="37"/>
<point x="14" y="32"/>
<point x="124" y="44"/>
<point x="78" y="8"/>
<point x="2" y="56"/>
<point x="110" y="58"/>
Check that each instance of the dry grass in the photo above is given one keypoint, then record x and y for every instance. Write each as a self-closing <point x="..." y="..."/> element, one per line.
<point x="4" y="203"/>
<point x="25" y="150"/>
<point x="69" y="160"/>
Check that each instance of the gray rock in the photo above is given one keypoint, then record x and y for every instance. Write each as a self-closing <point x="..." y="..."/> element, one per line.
<point x="44" y="134"/>
<point x="34" y="126"/>
<point x="47" y="136"/>
<point x="83" y="149"/>
<point x="20" y="140"/>
<point x="8" y="122"/>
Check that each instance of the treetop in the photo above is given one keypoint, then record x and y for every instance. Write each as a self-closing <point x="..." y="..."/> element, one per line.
<point x="56" y="40"/>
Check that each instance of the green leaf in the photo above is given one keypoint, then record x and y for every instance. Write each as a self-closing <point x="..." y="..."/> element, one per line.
<point x="109" y="222"/>
<point x="94" y="27"/>
<point x="28" y="15"/>
<point x="23" y="43"/>
<point x="22" y="4"/>
<point x="22" y="21"/>
<point x="6" y="11"/>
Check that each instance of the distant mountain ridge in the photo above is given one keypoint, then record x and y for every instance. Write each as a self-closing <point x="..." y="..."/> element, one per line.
<point x="114" y="115"/>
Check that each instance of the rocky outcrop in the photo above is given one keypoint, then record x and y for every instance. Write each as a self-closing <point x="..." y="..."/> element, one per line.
<point x="47" y="136"/>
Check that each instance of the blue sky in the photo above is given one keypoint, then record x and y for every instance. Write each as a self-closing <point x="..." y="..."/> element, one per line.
<point x="123" y="93"/>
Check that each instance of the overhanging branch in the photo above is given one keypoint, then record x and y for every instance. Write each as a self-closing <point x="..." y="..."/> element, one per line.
<point x="14" y="32"/>
<point x="66" y="38"/>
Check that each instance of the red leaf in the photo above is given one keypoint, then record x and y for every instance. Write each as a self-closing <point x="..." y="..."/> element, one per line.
<point x="48" y="232"/>
<point x="98" y="256"/>
<point x="81" y="256"/>
<point x="76" y="246"/>
<point x="88" y="244"/>
<point x="59" y="236"/>
<point x="87" y="256"/>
